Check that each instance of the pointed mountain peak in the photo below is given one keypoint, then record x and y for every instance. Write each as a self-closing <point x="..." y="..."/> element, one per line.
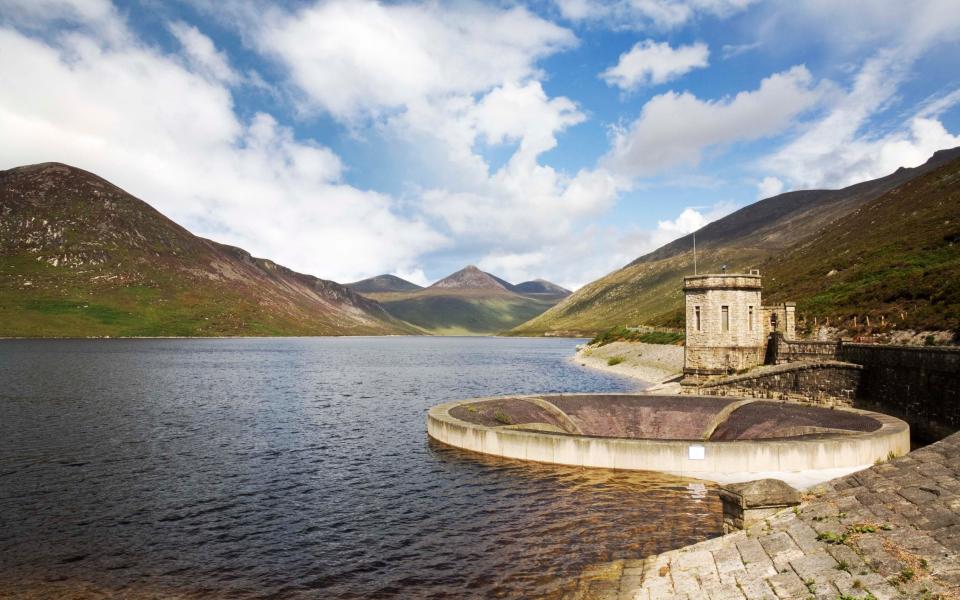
<point x="470" y="277"/>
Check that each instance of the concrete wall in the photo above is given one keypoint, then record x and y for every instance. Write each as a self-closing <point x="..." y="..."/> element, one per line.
<point x="724" y="462"/>
<point x="919" y="384"/>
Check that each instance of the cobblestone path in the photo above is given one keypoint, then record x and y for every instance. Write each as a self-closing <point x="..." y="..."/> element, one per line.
<point x="890" y="531"/>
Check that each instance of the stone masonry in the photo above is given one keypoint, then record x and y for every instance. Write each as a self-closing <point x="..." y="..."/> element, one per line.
<point x="829" y="383"/>
<point x="723" y="329"/>
<point x="726" y="326"/>
<point x="890" y="531"/>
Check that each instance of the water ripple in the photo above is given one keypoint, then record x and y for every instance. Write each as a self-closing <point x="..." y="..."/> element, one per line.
<point x="300" y="468"/>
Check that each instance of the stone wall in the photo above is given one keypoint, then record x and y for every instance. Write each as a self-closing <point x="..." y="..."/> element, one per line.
<point x="919" y="384"/>
<point x="786" y="320"/>
<point x="781" y="350"/>
<point x="828" y="383"/>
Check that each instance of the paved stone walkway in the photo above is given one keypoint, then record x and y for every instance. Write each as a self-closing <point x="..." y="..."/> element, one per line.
<point x="891" y="531"/>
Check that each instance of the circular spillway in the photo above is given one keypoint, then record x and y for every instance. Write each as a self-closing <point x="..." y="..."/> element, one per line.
<point x="723" y="439"/>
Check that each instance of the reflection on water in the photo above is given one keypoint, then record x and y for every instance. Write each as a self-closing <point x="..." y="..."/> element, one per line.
<point x="300" y="468"/>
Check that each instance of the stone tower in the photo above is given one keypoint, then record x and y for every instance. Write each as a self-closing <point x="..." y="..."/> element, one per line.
<point x="727" y="327"/>
<point x="725" y="332"/>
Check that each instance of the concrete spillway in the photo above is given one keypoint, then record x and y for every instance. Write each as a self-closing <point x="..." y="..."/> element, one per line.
<point x="721" y="439"/>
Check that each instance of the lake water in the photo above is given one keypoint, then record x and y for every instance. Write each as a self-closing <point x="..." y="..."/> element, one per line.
<point x="301" y="468"/>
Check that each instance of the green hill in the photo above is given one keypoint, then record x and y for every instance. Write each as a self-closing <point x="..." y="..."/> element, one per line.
<point x="648" y="290"/>
<point x="894" y="260"/>
<point x="471" y="302"/>
<point x="383" y="283"/>
<point x="81" y="257"/>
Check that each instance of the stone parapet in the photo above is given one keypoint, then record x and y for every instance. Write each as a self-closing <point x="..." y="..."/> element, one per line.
<point x="722" y="281"/>
<point x="827" y="382"/>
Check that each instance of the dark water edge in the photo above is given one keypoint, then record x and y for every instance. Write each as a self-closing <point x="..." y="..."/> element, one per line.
<point x="301" y="468"/>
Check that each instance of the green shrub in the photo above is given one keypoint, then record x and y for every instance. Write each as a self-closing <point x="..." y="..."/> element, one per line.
<point x="621" y="333"/>
<point x="614" y="360"/>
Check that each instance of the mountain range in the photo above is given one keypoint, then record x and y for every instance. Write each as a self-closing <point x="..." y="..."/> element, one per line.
<point x="468" y="302"/>
<point x="81" y="257"/>
<point x="887" y="248"/>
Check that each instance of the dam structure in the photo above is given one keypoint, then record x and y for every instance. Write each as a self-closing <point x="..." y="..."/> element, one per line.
<point x="722" y="438"/>
<point x="726" y="440"/>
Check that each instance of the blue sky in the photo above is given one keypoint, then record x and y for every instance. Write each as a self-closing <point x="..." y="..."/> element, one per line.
<point x="557" y="139"/>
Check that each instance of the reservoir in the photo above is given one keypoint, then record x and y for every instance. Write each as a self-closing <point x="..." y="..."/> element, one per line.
<point x="301" y="468"/>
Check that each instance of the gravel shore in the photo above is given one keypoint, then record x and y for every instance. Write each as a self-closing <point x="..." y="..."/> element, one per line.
<point x="650" y="363"/>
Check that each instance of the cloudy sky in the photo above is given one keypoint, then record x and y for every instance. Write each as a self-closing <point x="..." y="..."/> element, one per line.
<point x="552" y="139"/>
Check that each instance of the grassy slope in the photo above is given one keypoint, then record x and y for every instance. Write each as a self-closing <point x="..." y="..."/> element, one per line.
<point x="462" y="312"/>
<point x="81" y="257"/>
<point x="897" y="256"/>
<point x="648" y="290"/>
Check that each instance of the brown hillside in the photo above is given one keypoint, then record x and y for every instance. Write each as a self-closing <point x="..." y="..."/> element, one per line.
<point x="80" y="256"/>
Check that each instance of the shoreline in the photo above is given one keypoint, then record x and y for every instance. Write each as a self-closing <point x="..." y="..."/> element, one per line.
<point x="657" y="366"/>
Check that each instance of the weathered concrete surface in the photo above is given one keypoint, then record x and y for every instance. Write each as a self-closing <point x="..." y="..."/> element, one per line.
<point x="891" y="531"/>
<point x="799" y="461"/>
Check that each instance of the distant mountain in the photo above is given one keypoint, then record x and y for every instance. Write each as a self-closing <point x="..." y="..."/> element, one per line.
<point x="471" y="278"/>
<point x="383" y="283"/>
<point x="541" y="287"/>
<point x="648" y="290"/>
<point x="81" y="257"/>
<point x="470" y="302"/>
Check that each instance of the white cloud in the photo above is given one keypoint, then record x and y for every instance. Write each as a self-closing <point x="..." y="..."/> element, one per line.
<point x="674" y="129"/>
<point x="688" y="221"/>
<point x="840" y="149"/>
<point x="116" y="107"/>
<point x="734" y="50"/>
<point x="202" y="55"/>
<point x="641" y="14"/>
<point x="357" y="59"/>
<point x="415" y="275"/>
<point x="449" y="83"/>
<point x="596" y="251"/>
<point x="649" y="62"/>
<point x="768" y="187"/>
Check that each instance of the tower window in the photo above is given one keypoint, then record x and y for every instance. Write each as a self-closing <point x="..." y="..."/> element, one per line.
<point x="725" y="318"/>
<point x="750" y="317"/>
<point x="696" y="316"/>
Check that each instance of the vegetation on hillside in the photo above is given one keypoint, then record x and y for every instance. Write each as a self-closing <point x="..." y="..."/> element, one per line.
<point x="464" y="315"/>
<point x="470" y="302"/>
<point x="624" y="334"/>
<point x="81" y="257"/>
<point x="894" y="263"/>
<point x="898" y="262"/>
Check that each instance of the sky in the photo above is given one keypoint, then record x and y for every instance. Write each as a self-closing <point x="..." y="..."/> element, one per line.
<point x="551" y="139"/>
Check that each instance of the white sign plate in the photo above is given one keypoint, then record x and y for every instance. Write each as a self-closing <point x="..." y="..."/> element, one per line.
<point x="697" y="452"/>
